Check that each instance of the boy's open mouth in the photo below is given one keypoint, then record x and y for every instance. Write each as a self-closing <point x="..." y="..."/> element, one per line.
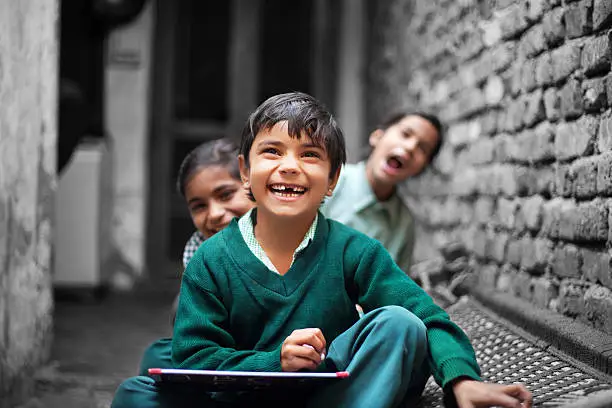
<point x="287" y="190"/>
<point x="395" y="162"/>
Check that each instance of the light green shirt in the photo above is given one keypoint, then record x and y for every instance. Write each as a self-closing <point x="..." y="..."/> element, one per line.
<point x="247" y="230"/>
<point x="390" y="222"/>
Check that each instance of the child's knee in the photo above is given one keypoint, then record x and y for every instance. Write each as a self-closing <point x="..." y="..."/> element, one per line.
<point x="129" y="391"/>
<point x="400" y="319"/>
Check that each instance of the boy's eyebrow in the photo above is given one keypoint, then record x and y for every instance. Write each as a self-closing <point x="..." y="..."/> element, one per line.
<point x="270" y="142"/>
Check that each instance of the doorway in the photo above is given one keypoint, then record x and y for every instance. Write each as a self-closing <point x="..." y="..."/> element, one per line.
<point x="214" y="63"/>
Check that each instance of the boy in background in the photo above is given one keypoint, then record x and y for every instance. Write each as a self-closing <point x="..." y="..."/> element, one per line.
<point x="366" y="195"/>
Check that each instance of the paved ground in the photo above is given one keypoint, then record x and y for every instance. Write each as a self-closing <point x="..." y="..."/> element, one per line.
<point x="97" y="344"/>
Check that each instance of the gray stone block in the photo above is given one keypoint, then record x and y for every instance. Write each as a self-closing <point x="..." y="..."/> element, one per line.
<point x="596" y="55"/>
<point x="577" y="18"/>
<point x="553" y="26"/>
<point x="594" y="93"/>
<point x="602" y="14"/>
<point x="565" y="60"/>
<point x="585" y="173"/>
<point x="576" y="138"/>
<point x="571" y="99"/>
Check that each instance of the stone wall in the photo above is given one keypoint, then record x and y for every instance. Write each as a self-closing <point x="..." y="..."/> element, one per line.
<point x="524" y="179"/>
<point x="28" y="81"/>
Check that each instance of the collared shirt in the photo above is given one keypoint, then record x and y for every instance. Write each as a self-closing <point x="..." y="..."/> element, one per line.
<point x="355" y="204"/>
<point x="246" y="224"/>
<point x="192" y="246"/>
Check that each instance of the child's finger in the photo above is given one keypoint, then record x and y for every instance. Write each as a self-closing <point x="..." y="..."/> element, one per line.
<point x="311" y="347"/>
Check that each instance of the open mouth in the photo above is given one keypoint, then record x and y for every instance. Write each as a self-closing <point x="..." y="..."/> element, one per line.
<point x="395" y="162"/>
<point x="287" y="190"/>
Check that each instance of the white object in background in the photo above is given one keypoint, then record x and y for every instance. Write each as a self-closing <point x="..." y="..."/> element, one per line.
<point x="83" y="208"/>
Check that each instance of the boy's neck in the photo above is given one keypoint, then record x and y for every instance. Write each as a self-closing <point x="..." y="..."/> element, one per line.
<point x="280" y="237"/>
<point x="382" y="191"/>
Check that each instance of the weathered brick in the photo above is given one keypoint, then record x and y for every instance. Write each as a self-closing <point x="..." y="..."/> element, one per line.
<point x="496" y="247"/>
<point x="585" y="183"/>
<point x="522" y="285"/>
<point x="532" y="43"/>
<point x="463" y="133"/>
<point x="532" y="145"/>
<point x="536" y="254"/>
<point x="479" y="243"/>
<point x="591" y="221"/>
<point x="513" y="21"/>
<point x="506" y="212"/>
<point x="526" y="181"/>
<point x="594" y="95"/>
<point x="604" y="174"/>
<point x="567" y="261"/>
<point x="534" y="108"/>
<point x="508" y="180"/>
<point x="494" y="91"/>
<point x="596" y="55"/>
<point x="501" y="56"/>
<point x="515" y="114"/>
<point x="602" y="14"/>
<point x="568" y="221"/>
<point x="604" y="137"/>
<point x="488" y="122"/>
<point x="530" y="213"/>
<point x="576" y="139"/>
<point x="544" y="292"/>
<point x="578" y="18"/>
<point x="552" y="104"/>
<point x="598" y="307"/>
<point x="553" y="26"/>
<point x="536" y="8"/>
<point x="544" y="69"/>
<point x="545" y="181"/>
<point x="505" y="278"/>
<point x="571" y="298"/>
<point x="487" y="276"/>
<point x="609" y="89"/>
<point x="571" y="99"/>
<point x="528" y="78"/>
<point x="513" y="252"/>
<point x="564" y="180"/>
<point x="551" y="215"/>
<point x="565" y="60"/>
<point x="465" y="183"/>
<point x="483" y="210"/>
<point x="596" y="266"/>
<point x="491" y="32"/>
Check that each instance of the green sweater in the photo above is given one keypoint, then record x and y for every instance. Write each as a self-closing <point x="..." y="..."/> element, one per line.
<point x="234" y="313"/>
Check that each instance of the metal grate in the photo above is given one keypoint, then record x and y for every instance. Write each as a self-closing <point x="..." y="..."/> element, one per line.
<point x="507" y="357"/>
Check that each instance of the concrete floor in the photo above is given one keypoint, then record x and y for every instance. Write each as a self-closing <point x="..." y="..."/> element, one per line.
<point x="98" y="343"/>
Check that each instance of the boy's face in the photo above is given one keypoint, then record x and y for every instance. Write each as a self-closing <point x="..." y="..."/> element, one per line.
<point x="288" y="176"/>
<point x="214" y="197"/>
<point x="402" y="150"/>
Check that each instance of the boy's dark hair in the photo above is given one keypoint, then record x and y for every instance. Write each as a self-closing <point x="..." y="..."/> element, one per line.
<point x="219" y="152"/>
<point x="430" y="117"/>
<point x="304" y="115"/>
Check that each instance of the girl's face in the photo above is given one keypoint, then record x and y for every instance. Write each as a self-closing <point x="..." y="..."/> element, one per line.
<point x="214" y="198"/>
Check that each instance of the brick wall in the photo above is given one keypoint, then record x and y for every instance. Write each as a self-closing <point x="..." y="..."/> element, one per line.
<point x="28" y="81"/>
<point x="525" y="177"/>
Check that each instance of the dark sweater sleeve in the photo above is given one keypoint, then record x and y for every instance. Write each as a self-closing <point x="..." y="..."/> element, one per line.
<point x="380" y="282"/>
<point x="201" y="337"/>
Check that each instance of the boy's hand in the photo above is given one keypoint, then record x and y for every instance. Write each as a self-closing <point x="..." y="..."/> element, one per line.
<point x="303" y="349"/>
<point x="476" y="394"/>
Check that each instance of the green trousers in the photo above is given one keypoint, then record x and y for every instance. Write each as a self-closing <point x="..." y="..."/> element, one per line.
<point x="385" y="353"/>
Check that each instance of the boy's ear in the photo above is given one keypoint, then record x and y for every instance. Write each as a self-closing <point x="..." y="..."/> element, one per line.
<point x="244" y="172"/>
<point x="332" y="183"/>
<point x="375" y="136"/>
